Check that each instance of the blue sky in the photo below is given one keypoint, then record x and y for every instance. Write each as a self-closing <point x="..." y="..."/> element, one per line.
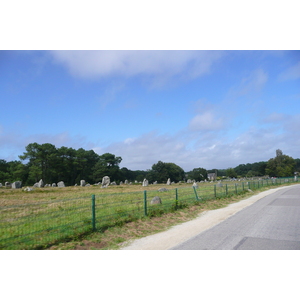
<point x="210" y="109"/>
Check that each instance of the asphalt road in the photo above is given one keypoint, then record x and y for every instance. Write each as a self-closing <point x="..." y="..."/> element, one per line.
<point x="271" y="223"/>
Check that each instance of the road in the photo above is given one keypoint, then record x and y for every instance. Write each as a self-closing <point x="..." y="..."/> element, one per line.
<point x="271" y="223"/>
<point x="263" y="221"/>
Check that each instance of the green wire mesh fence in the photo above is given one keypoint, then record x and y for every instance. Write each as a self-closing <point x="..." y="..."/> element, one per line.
<point x="38" y="225"/>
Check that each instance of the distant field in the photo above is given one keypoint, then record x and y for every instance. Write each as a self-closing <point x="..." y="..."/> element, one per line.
<point x="45" y="216"/>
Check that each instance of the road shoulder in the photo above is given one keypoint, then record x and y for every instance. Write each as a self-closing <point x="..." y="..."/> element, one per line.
<point x="206" y="220"/>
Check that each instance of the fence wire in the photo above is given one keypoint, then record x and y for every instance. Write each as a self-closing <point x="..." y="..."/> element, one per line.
<point x="41" y="224"/>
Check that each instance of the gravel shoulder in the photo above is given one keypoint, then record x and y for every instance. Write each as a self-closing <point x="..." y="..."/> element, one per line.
<point x="180" y="233"/>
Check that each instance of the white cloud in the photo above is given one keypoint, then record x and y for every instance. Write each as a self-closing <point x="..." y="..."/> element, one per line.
<point x="206" y="121"/>
<point x="274" y="118"/>
<point x="163" y="65"/>
<point x="190" y="150"/>
<point x="253" y="83"/>
<point x="12" y="144"/>
<point x="291" y="73"/>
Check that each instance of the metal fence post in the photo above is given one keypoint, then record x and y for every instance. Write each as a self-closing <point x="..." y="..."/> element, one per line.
<point x="93" y="213"/>
<point x="236" y="191"/>
<point x="197" y="198"/>
<point x="176" y="198"/>
<point x="145" y="203"/>
<point x="226" y="189"/>
<point x="215" y="191"/>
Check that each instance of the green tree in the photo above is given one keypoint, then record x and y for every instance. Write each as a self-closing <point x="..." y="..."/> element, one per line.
<point x="280" y="166"/>
<point x="107" y="165"/>
<point x="41" y="159"/>
<point x="161" y="171"/>
<point x="197" y="174"/>
<point x="230" y="172"/>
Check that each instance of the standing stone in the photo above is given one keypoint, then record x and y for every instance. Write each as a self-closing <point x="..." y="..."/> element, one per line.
<point x="17" y="185"/>
<point x="53" y="184"/>
<point x="145" y="182"/>
<point x="169" y="181"/>
<point x="126" y="181"/>
<point x="195" y="185"/>
<point x="0" y="184"/>
<point x="189" y="181"/>
<point x="163" y="190"/>
<point x="82" y="183"/>
<point x="105" y="181"/>
<point x="61" y="184"/>
<point x="41" y="183"/>
<point x="28" y="189"/>
<point x="156" y="200"/>
<point x="219" y="184"/>
<point x="7" y="185"/>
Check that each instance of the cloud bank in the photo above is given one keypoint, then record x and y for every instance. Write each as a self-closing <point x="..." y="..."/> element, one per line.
<point x="161" y="66"/>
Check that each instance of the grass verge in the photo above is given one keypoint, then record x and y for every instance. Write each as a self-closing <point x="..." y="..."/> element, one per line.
<point x="115" y="237"/>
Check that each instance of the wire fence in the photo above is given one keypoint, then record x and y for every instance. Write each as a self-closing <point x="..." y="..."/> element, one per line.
<point x="41" y="224"/>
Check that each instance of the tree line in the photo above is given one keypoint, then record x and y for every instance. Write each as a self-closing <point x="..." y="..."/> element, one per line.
<point x="45" y="161"/>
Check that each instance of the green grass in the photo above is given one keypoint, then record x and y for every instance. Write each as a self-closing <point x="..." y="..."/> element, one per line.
<point x="38" y="219"/>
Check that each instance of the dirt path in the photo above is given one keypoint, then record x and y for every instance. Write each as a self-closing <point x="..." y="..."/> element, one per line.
<point x="180" y="233"/>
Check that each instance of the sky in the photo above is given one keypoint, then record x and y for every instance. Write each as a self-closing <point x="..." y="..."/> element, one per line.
<point x="208" y="109"/>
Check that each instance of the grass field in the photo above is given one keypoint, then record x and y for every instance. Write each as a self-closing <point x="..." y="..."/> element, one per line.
<point x="48" y="216"/>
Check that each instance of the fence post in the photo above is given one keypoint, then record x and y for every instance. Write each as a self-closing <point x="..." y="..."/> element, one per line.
<point x="93" y="213"/>
<point x="196" y="193"/>
<point x="215" y="190"/>
<point x="236" y="188"/>
<point x="145" y="203"/>
<point x="176" y="198"/>
<point x="226" y="189"/>
<point x="243" y="186"/>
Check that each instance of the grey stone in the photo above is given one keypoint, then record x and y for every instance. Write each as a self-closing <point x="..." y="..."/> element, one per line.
<point x="0" y="184"/>
<point x="169" y="181"/>
<point x="163" y="190"/>
<point x="61" y="184"/>
<point x="126" y="181"/>
<point x="82" y="182"/>
<point x="53" y="184"/>
<point x="41" y="183"/>
<point x="105" y="181"/>
<point x="28" y="189"/>
<point x="211" y="176"/>
<point x="17" y="185"/>
<point x="189" y="181"/>
<point x="113" y="183"/>
<point x="156" y="200"/>
<point x="7" y="185"/>
<point x="195" y="185"/>
<point x="145" y="182"/>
